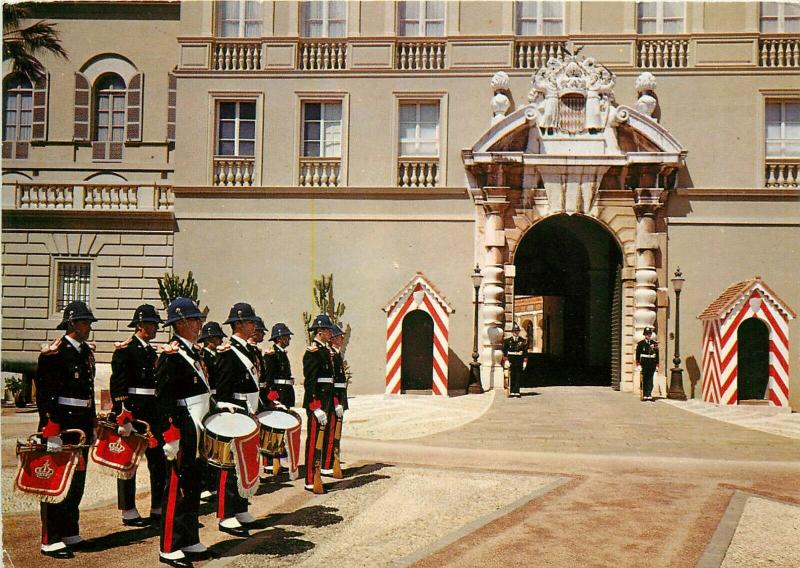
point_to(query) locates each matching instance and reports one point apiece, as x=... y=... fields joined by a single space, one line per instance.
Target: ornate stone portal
x=571 y=151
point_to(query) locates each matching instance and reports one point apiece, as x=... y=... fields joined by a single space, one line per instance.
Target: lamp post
x=475 y=386
x=676 y=373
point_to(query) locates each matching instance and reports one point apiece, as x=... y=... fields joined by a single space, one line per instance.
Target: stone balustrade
x=779 y=52
x=418 y=172
x=532 y=54
x=420 y=55
x=322 y=55
x=107 y=197
x=320 y=172
x=234 y=171
x=236 y=56
x=782 y=173
x=666 y=53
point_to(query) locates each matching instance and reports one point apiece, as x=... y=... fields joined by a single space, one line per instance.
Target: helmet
x=260 y=326
x=76 y=311
x=337 y=331
x=145 y=314
x=648 y=330
x=211 y=329
x=322 y=321
x=181 y=309
x=515 y=326
x=279 y=330
x=241 y=311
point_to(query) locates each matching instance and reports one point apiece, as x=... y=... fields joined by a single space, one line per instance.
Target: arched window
x=17 y=109
x=109 y=109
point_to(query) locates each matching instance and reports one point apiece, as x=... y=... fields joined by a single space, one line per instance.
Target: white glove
x=229 y=406
x=171 y=449
x=507 y=364
x=321 y=417
x=54 y=444
x=279 y=405
x=125 y=430
x=339 y=410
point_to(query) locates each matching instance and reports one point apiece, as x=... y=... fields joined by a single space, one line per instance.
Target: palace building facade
x=577 y=153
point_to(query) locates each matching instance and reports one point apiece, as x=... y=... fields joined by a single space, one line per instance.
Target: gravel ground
x=768 y=534
x=394 y=510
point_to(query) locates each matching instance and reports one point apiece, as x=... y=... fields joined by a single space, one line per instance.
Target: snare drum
x=219 y=429
x=274 y=424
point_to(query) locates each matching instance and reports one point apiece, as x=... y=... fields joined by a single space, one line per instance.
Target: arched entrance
x=753 y=359
x=416 y=373
x=572 y=264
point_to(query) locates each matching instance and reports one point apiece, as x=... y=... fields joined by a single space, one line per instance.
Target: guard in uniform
x=133 y=392
x=182 y=397
x=318 y=382
x=65 y=395
x=339 y=399
x=238 y=372
x=647 y=361
x=277 y=369
x=515 y=357
x=211 y=336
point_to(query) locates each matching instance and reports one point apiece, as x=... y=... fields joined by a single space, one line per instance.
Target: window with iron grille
x=322 y=130
x=74 y=283
x=780 y=17
x=783 y=129
x=420 y=18
x=236 y=128
x=660 y=17
x=239 y=18
x=324 y=18
x=539 y=17
x=419 y=129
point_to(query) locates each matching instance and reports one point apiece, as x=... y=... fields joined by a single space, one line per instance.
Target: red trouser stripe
x=312 y=445
x=331 y=435
x=170 y=518
x=223 y=478
x=45 y=539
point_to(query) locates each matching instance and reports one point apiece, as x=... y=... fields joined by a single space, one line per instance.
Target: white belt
x=192 y=400
x=213 y=391
x=241 y=395
x=647 y=356
x=515 y=352
x=283 y=381
x=66 y=401
x=147 y=392
x=340 y=385
x=325 y=380
x=250 y=399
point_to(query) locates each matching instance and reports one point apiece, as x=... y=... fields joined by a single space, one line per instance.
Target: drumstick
x=337 y=464
x=318 y=488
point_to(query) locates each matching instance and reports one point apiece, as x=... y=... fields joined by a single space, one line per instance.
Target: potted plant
x=14 y=385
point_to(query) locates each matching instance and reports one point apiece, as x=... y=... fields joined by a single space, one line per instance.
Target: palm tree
x=22 y=44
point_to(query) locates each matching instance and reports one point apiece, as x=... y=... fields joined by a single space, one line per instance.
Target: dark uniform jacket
x=209 y=357
x=339 y=378
x=516 y=349
x=647 y=353
x=133 y=367
x=278 y=376
x=318 y=376
x=66 y=372
x=233 y=379
x=177 y=379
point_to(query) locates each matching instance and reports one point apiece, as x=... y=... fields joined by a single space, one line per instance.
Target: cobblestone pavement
x=570 y=476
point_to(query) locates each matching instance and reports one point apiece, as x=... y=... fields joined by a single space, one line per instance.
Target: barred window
x=419 y=129
x=539 y=17
x=783 y=129
x=74 y=283
x=236 y=129
x=657 y=17
x=780 y=17
x=322 y=130
x=324 y=18
x=17 y=109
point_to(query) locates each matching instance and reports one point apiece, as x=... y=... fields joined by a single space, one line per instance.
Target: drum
x=219 y=430
x=274 y=424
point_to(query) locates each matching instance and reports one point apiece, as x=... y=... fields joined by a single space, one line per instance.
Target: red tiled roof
x=732 y=293
x=401 y=292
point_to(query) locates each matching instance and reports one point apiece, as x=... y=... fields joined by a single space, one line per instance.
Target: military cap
x=322 y=321
x=211 y=329
x=337 y=331
x=260 y=326
x=279 y=330
x=648 y=330
x=241 y=311
x=515 y=326
x=181 y=309
x=145 y=314
x=76 y=311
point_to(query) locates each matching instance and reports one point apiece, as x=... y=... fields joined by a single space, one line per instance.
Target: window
x=420 y=18
x=324 y=18
x=538 y=17
x=783 y=129
x=239 y=18
x=322 y=130
x=17 y=109
x=74 y=283
x=109 y=109
x=660 y=17
x=419 y=129
x=780 y=17
x=236 y=128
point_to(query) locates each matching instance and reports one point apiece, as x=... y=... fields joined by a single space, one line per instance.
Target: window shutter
x=8 y=146
x=172 y=99
x=81 y=132
x=21 y=150
x=115 y=151
x=99 y=150
x=134 y=104
x=40 y=88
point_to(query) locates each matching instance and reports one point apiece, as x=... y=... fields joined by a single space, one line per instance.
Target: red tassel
x=124 y=417
x=335 y=401
x=315 y=405
x=152 y=442
x=172 y=434
x=51 y=429
x=273 y=395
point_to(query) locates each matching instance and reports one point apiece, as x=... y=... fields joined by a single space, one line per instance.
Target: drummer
x=279 y=389
x=211 y=336
x=339 y=401
x=133 y=392
x=238 y=369
x=182 y=396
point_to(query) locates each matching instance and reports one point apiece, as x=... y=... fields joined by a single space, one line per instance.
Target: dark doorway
x=572 y=263
x=753 y=359
x=416 y=371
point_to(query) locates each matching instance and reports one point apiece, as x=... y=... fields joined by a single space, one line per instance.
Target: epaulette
x=51 y=349
x=269 y=352
x=223 y=348
x=123 y=344
x=169 y=348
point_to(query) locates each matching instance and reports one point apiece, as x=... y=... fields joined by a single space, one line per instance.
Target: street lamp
x=676 y=373
x=475 y=386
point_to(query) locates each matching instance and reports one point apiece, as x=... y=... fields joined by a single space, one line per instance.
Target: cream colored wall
x=481 y=18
